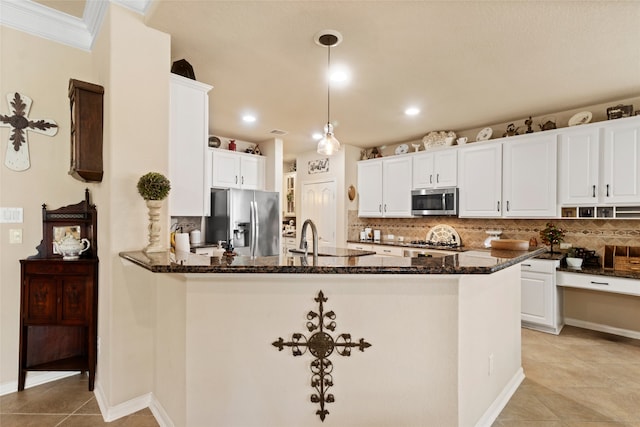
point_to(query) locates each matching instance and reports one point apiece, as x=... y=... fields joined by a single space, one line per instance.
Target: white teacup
x=462 y=140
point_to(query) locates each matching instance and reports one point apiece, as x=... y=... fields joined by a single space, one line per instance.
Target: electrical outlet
x=565 y=245
x=15 y=235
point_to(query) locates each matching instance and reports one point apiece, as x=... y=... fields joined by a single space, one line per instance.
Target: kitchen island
x=403 y=341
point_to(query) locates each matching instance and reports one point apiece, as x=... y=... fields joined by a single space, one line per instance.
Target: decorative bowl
x=574 y=262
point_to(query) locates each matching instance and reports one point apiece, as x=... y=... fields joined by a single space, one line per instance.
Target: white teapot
x=70 y=247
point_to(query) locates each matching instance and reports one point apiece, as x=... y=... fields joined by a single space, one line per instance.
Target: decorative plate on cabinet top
x=438 y=139
x=580 y=118
x=402 y=149
x=484 y=134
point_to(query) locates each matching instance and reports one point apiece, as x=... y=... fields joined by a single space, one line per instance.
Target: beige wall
x=41 y=70
x=132 y=62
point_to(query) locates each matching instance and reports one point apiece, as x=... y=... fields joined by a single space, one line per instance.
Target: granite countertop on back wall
x=471 y=262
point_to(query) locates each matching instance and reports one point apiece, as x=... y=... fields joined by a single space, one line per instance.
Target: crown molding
x=41 y=21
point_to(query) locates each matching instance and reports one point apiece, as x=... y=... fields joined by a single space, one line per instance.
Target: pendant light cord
x=328 y=87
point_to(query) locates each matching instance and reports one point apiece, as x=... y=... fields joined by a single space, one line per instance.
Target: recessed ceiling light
x=248 y=118
x=412 y=111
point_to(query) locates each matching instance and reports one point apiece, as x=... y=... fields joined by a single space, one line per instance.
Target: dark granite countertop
x=471 y=262
x=330 y=251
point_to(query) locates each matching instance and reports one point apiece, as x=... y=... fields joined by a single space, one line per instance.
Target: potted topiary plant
x=154 y=188
x=552 y=235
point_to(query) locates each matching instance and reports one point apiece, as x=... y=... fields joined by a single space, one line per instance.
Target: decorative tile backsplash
x=592 y=234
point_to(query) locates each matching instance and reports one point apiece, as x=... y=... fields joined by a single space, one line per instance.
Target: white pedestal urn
x=154 y=245
x=154 y=188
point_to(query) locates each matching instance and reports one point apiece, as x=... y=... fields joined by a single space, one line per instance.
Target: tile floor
x=580 y=378
x=65 y=403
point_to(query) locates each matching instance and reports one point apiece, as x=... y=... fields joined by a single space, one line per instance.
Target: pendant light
x=328 y=145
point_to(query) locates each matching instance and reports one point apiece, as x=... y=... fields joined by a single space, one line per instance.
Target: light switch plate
x=15 y=235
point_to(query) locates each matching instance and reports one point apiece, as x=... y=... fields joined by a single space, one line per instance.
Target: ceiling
x=465 y=64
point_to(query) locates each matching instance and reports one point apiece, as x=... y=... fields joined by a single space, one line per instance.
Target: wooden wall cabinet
x=59 y=298
x=86 y=101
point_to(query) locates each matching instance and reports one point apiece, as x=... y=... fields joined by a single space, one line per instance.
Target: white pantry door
x=319 y=205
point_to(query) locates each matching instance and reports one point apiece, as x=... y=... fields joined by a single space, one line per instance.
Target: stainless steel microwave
x=434 y=201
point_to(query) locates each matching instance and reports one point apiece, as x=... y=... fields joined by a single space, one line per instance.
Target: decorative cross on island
x=321 y=345
x=17 y=157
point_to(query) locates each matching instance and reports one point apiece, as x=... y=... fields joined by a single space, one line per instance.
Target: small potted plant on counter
x=552 y=235
x=154 y=188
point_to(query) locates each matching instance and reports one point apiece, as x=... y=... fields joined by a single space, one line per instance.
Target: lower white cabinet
x=541 y=300
x=288 y=243
x=380 y=250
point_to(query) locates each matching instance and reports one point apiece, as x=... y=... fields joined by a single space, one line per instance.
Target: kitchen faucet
x=303 y=240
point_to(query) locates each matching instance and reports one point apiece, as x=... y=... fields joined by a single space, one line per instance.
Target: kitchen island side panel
x=236 y=377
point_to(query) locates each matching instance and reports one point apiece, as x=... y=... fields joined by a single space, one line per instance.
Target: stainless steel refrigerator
x=250 y=219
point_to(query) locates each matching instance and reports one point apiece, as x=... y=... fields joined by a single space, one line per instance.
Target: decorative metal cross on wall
x=321 y=346
x=17 y=157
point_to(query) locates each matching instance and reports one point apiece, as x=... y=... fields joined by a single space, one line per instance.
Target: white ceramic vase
x=154 y=226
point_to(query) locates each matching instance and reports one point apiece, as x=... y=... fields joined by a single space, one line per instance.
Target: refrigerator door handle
x=254 y=228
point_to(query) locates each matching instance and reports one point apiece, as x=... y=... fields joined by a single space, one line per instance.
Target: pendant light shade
x=329 y=144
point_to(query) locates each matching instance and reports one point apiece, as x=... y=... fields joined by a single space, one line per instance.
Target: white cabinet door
x=189 y=127
x=236 y=170
x=423 y=171
x=621 y=173
x=529 y=177
x=225 y=169
x=480 y=178
x=251 y=172
x=396 y=187
x=370 y=188
x=537 y=304
x=446 y=168
x=579 y=166
x=435 y=170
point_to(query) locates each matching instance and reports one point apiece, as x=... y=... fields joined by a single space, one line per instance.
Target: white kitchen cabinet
x=621 y=168
x=617 y=285
x=578 y=164
x=288 y=243
x=231 y=169
x=480 y=180
x=541 y=300
x=289 y=194
x=435 y=170
x=599 y=164
x=385 y=187
x=509 y=178
x=189 y=128
x=529 y=167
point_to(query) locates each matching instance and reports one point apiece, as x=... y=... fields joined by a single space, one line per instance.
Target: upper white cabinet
x=189 y=128
x=621 y=176
x=385 y=187
x=579 y=164
x=529 y=181
x=512 y=178
x=598 y=164
x=480 y=180
x=231 y=169
x=435 y=169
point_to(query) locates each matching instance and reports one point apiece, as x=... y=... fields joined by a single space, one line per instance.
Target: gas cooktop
x=431 y=244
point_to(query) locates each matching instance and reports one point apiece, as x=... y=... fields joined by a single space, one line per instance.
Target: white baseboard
x=492 y=412
x=35 y=378
x=112 y=413
x=602 y=328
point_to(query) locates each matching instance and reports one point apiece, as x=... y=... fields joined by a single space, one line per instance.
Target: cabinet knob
x=498 y=205
x=431 y=179
x=607 y=190
x=599 y=283
x=242 y=181
x=236 y=179
x=507 y=206
x=438 y=177
x=594 y=191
